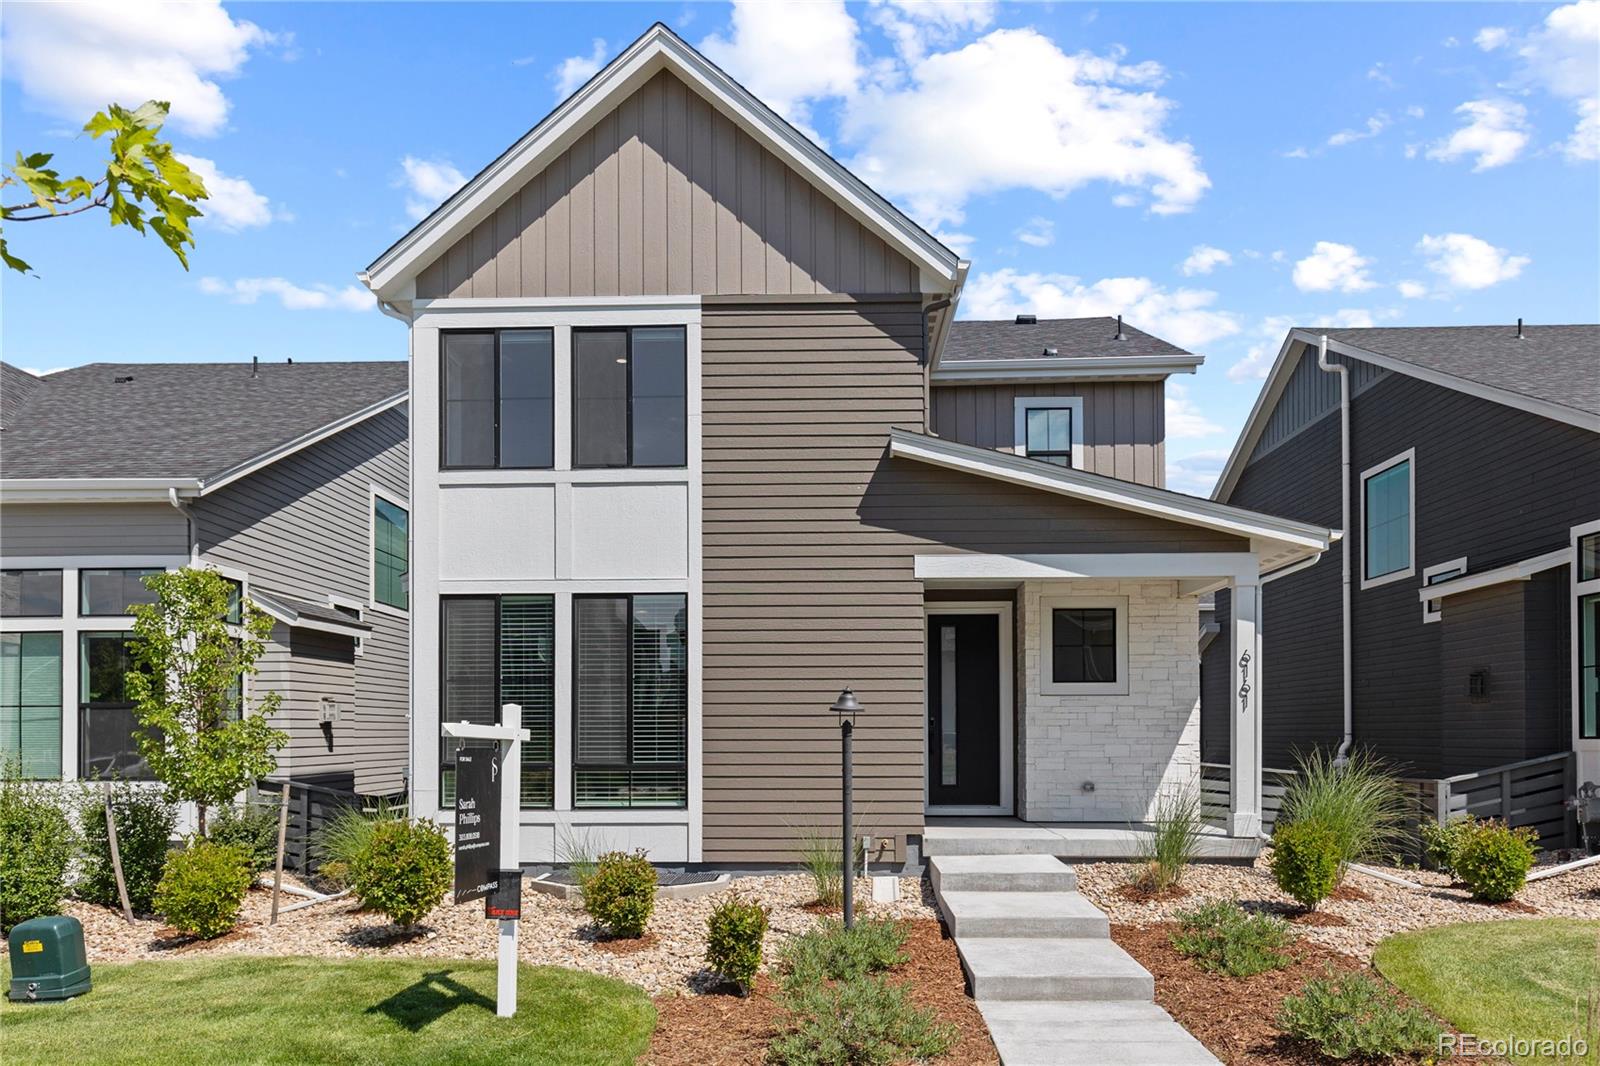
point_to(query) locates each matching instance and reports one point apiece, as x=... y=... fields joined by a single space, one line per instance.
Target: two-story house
x=289 y=479
x=698 y=443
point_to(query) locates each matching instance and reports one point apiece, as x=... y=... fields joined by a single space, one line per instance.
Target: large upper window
x=630 y=701
x=112 y=592
x=500 y=650
x=629 y=397
x=389 y=553
x=30 y=702
x=30 y=594
x=1050 y=429
x=498 y=393
x=1087 y=653
x=1387 y=521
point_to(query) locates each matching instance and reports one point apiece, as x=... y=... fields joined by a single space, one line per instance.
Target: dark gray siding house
x=1474 y=472
x=288 y=478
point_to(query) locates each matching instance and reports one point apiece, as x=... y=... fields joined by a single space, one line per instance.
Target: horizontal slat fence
x=311 y=808
x=1215 y=804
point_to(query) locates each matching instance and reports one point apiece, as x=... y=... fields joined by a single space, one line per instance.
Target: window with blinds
x=499 y=650
x=631 y=701
x=30 y=703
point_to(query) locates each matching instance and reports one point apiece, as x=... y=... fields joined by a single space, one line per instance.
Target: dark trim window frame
x=30 y=702
x=677 y=421
x=1388 y=495
x=1079 y=627
x=497 y=401
x=109 y=749
x=140 y=594
x=30 y=593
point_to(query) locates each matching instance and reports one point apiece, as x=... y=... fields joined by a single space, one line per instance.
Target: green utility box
x=47 y=959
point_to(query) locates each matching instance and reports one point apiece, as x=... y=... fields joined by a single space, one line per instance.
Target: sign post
x=488 y=776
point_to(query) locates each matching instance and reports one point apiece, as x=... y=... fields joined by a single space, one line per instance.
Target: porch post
x=1244 y=730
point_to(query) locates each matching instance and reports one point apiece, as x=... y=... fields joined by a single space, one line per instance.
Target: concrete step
x=1001 y=873
x=978 y=840
x=1052 y=968
x=1022 y=914
x=1118 y=1033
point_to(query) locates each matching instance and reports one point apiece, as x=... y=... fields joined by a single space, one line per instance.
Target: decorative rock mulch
x=1388 y=908
x=554 y=932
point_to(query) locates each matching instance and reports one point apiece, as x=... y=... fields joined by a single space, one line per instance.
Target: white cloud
x=1380 y=75
x=1415 y=111
x=917 y=25
x=959 y=243
x=1195 y=473
x=75 y=58
x=1185 y=317
x=1496 y=131
x=233 y=203
x=1039 y=232
x=573 y=71
x=427 y=183
x=1270 y=331
x=1184 y=419
x=1468 y=262
x=1332 y=266
x=1374 y=126
x=1491 y=37
x=790 y=54
x=1563 y=57
x=1297 y=153
x=1584 y=144
x=1412 y=290
x=293 y=297
x=1204 y=259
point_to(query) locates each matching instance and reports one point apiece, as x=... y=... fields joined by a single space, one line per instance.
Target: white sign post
x=509 y=739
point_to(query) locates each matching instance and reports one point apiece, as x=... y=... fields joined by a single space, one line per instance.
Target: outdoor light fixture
x=847 y=707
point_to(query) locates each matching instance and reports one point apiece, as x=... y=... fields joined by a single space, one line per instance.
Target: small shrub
x=145 y=821
x=36 y=844
x=863 y=1020
x=253 y=828
x=202 y=888
x=1494 y=860
x=621 y=893
x=831 y=952
x=1222 y=936
x=1305 y=861
x=1441 y=844
x=1170 y=847
x=1357 y=1016
x=339 y=845
x=733 y=940
x=1361 y=802
x=820 y=855
x=404 y=871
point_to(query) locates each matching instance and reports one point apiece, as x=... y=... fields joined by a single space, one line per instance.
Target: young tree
x=142 y=169
x=198 y=733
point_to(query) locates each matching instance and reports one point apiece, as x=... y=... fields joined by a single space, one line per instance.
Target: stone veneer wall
x=1132 y=747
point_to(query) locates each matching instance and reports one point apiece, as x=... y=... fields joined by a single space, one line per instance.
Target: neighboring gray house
x=698 y=443
x=1473 y=509
x=288 y=478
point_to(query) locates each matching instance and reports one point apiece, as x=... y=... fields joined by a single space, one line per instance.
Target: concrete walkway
x=1052 y=986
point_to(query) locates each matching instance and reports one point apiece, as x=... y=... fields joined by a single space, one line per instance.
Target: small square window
x=1478 y=685
x=1085 y=646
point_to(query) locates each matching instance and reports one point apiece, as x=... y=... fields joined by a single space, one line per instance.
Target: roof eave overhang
x=659 y=48
x=286 y=614
x=96 y=489
x=1518 y=571
x=1124 y=368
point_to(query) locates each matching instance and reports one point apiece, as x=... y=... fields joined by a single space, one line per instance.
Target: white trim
x=1518 y=571
x=94 y=562
x=1108 y=565
x=350 y=603
x=376 y=492
x=1587 y=748
x=1409 y=457
x=285 y=613
x=300 y=443
x=1008 y=745
x=1099 y=367
x=1050 y=687
x=96 y=489
x=558 y=312
x=1023 y=404
x=1455 y=567
x=659 y=48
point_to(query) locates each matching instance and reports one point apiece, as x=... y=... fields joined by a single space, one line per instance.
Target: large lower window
x=629 y=397
x=113 y=592
x=30 y=593
x=1086 y=650
x=1387 y=521
x=499 y=650
x=630 y=701
x=106 y=724
x=30 y=702
x=498 y=399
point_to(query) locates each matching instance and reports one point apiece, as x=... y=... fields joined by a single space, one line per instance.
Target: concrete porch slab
x=1066 y=840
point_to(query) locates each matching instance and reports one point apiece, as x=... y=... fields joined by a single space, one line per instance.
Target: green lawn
x=301 y=1010
x=1526 y=979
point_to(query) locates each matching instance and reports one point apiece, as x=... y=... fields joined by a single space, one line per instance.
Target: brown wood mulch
x=625 y=945
x=1318 y=918
x=721 y=1029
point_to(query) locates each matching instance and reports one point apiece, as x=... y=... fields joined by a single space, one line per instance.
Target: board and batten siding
x=92 y=529
x=664 y=195
x=302 y=527
x=1124 y=432
x=809 y=533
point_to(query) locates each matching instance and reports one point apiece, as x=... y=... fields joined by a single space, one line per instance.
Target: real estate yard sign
x=477 y=820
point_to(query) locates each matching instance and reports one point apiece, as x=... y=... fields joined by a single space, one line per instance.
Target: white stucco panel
x=498 y=532
x=630 y=531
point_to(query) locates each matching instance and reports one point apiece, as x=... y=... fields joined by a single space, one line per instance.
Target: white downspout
x=1344 y=526
x=194 y=529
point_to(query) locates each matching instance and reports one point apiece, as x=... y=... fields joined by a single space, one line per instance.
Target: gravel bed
x=1391 y=908
x=554 y=932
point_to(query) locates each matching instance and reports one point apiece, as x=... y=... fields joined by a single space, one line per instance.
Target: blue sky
x=1215 y=172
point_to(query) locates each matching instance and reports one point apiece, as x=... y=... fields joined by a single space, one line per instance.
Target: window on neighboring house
x=30 y=702
x=113 y=592
x=106 y=722
x=1388 y=521
x=630 y=701
x=499 y=650
x=498 y=394
x=1589 y=666
x=389 y=554
x=1088 y=645
x=1050 y=429
x=630 y=397
x=30 y=594
x=1433 y=610
x=1589 y=557
x=235 y=615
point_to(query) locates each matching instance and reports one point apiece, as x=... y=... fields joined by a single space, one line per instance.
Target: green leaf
x=12 y=261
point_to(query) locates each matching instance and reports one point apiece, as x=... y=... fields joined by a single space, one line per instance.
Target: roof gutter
x=978 y=371
x=97 y=489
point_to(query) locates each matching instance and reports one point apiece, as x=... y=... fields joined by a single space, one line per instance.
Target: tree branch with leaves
x=145 y=184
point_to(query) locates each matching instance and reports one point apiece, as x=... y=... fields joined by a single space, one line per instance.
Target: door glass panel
x=947 y=705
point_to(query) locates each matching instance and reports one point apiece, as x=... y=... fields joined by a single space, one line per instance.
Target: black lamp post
x=847 y=707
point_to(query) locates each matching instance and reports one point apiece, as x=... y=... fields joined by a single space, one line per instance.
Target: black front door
x=964 y=710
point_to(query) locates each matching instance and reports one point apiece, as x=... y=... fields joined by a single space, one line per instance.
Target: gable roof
x=1056 y=347
x=1551 y=371
x=16 y=386
x=658 y=48
x=199 y=423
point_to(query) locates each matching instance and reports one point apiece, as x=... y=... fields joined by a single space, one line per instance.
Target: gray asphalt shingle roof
x=1072 y=338
x=179 y=420
x=1556 y=364
x=16 y=385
